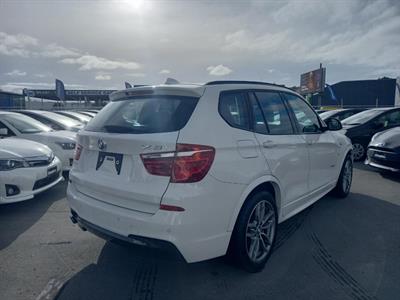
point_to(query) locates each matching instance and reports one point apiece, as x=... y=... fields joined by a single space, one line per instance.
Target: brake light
x=77 y=153
x=189 y=163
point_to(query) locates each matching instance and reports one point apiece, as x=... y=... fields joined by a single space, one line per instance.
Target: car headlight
x=67 y=146
x=11 y=164
x=374 y=136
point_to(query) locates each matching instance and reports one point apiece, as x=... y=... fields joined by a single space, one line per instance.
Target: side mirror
x=3 y=132
x=333 y=124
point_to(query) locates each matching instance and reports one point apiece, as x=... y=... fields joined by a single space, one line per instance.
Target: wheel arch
x=267 y=183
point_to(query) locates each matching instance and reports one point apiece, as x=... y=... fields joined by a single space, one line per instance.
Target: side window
x=5 y=131
x=275 y=113
x=258 y=118
x=394 y=118
x=390 y=119
x=306 y=118
x=233 y=108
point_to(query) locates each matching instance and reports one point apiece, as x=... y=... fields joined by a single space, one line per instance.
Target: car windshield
x=64 y=120
x=144 y=115
x=81 y=117
x=25 y=124
x=362 y=117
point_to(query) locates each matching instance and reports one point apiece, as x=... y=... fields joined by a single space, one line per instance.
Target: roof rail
x=242 y=82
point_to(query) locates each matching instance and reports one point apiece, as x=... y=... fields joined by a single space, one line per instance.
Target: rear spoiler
x=159 y=90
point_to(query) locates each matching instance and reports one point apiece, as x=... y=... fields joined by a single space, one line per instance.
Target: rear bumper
x=198 y=233
x=109 y=235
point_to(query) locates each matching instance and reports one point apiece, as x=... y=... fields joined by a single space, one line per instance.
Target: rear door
x=284 y=150
x=110 y=168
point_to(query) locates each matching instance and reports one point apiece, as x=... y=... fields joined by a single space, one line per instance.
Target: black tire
x=359 y=151
x=65 y=174
x=246 y=224
x=343 y=184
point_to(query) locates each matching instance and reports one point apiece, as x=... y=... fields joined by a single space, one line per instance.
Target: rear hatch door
x=110 y=168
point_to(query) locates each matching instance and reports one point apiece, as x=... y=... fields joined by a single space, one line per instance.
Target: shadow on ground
x=16 y=218
x=337 y=249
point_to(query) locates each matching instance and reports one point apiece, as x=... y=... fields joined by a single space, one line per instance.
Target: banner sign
x=60 y=90
x=313 y=81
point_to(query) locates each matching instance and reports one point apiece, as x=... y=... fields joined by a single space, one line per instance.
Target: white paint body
x=51 y=139
x=25 y=178
x=301 y=168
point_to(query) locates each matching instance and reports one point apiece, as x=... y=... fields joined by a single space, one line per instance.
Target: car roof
x=384 y=108
x=6 y=112
x=190 y=89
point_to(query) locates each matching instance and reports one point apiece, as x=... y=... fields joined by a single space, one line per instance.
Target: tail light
x=77 y=153
x=189 y=163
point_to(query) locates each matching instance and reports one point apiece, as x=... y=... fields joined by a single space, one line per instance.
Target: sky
x=102 y=44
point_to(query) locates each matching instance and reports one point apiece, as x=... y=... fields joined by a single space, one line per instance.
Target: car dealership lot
x=337 y=249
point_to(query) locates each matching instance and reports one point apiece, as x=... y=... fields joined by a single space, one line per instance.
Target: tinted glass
x=390 y=119
x=275 y=113
x=144 y=115
x=305 y=116
x=233 y=108
x=25 y=124
x=258 y=118
x=328 y=114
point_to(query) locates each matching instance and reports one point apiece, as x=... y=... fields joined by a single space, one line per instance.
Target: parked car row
x=364 y=127
x=36 y=150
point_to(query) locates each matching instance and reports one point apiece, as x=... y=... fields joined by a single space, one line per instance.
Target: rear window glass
x=144 y=115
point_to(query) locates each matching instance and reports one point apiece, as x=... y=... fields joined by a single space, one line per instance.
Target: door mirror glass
x=333 y=124
x=3 y=132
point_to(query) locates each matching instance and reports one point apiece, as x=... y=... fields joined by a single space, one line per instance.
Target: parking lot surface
x=336 y=249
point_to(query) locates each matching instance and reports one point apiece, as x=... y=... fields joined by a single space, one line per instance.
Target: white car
x=207 y=169
x=53 y=120
x=15 y=125
x=26 y=169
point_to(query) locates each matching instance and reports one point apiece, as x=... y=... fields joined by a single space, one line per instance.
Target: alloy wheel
x=358 y=151
x=260 y=231
x=347 y=176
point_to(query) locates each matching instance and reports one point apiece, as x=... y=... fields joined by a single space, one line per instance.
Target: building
x=96 y=97
x=9 y=100
x=360 y=93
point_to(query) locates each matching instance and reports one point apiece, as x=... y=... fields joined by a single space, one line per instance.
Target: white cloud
x=103 y=77
x=340 y=32
x=40 y=75
x=164 y=71
x=54 y=50
x=16 y=73
x=136 y=74
x=92 y=62
x=16 y=45
x=219 y=70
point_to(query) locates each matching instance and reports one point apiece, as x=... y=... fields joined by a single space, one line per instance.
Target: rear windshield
x=144 y=115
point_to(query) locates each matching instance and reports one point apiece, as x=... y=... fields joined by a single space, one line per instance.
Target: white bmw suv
x=207 y=169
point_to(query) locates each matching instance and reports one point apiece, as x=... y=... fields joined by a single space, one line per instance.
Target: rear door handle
x=268 y=144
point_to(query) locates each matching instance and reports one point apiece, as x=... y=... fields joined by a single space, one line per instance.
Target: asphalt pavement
x=336 y=249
